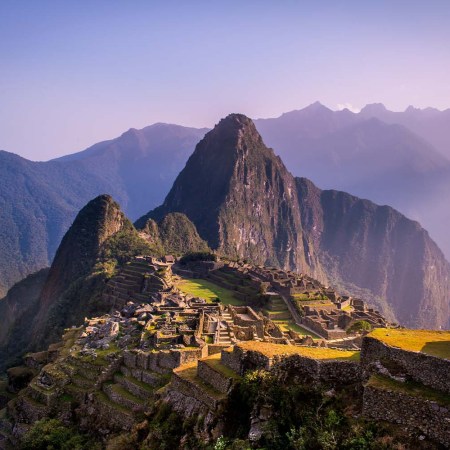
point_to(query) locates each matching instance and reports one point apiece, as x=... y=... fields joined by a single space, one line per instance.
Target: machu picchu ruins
x=158 y=343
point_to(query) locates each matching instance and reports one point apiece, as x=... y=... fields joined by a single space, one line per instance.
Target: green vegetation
x=410 y=388
x=179 y=235
x=305 y=418
x=435 y=343
x=359 y=326
x=207 y=290
x=197 y=256
x=123 y=246
x=52 y=434
x=291 y=325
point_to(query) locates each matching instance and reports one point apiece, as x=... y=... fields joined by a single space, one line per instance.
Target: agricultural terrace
x=435 y=343
x=409 y=388
x=207 y=290
x=271 y=350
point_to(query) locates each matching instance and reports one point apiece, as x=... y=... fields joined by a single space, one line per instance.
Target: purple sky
x=73 y=73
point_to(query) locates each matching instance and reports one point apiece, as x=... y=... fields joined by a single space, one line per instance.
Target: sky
x=73 y=73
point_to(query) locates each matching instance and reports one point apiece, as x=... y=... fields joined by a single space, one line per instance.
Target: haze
x=73 y=73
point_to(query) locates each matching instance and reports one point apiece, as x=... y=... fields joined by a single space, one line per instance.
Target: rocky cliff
x=361 y=244
x=245 y=204
x=241 y=198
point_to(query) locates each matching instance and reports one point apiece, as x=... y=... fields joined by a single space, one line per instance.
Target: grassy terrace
x=189 y=372
x=215 y=364
x=207 y=290
x=271 y=350
x=410 y=388
x=290 y=324
x=435 y=343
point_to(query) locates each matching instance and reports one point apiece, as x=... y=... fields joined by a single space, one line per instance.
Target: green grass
x=434 y=343
x=410 y=388
x=291 y=325
x=207 y=290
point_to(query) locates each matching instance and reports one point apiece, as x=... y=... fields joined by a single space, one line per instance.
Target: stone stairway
x=225 y=336
x=127 y=394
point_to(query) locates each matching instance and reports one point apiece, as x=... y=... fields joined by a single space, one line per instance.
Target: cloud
x=349 y=106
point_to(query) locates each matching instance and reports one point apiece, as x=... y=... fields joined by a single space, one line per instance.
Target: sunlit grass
x=435 y=343
x=207 y=290
x=322 y=353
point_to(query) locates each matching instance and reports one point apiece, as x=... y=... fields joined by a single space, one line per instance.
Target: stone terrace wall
x=162 y=361
x=429 y=370
x=217 y=380
x=319 y=371
x=413 y=412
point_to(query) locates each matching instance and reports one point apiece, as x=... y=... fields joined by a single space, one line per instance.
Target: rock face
x=378 y=249
x=245 y=204
x=241 y=198
x=392 y=158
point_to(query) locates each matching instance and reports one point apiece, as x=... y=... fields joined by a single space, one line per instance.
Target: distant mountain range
x=39 y=200
x=360 y=153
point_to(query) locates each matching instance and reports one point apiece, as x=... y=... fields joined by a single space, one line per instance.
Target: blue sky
x=73 y=73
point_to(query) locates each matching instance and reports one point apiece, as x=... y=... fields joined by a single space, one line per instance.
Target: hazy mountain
x=430 y=123
x=386 y=163
x=141 y=163
x=39 y=200
x=245 y=203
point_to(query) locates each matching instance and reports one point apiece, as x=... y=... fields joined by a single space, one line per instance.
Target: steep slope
x=244 y=203
x=357 y=153
x=39 y=200
x=17 y=309
x=240 y=197
x=175 y=234
x=377 y=249
x=100 y=237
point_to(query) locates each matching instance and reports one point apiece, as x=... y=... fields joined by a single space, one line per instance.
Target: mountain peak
x=374 y=108
x=316 y=107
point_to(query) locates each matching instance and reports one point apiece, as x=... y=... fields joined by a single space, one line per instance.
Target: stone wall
x=414 y=412
x=217 y=380
x=319 y=371
x=163 y=361
x=428 y=370
x=232 y=359
x=193 y=391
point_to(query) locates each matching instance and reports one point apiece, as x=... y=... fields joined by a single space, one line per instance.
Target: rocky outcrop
x=241 y=198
